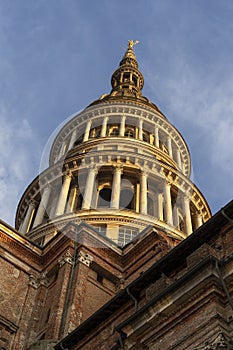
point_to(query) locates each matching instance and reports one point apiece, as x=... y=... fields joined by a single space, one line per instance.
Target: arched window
x=129 y=132
x=78 y=141
x=163 y=147
x=104 y=198
x=134 y=79
x=127 y=199
x=95 y=132
x=113 y=131
x=79 y=202
x=145 y=137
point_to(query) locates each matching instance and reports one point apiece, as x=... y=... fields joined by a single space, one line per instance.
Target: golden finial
x=131 y=43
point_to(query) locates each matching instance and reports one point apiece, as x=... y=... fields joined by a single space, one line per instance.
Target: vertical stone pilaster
x=160 y=206
x=187 y=215
x=72 y=199
x=89 y=187
x=156 y=136
x=175 y=216
x=168 y=204
x=104 y=127
x=143 y=193
x=26 y=324
x=72 y=139
x=169 y=146
x=87 y=131
x=42 y=206
x=78 y=307
x=65 y=263
x=198 y=220
x=62 y=150
x=178 y=156
x=28 y=217
x=122 y=126
x=140 y=131
x=116 y=187
x=62 y=200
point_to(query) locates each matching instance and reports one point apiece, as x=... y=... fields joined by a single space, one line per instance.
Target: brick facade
x=183 y=301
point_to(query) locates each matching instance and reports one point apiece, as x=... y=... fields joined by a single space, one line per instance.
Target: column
x=122 y=126
x=87 y=131
x=63 y=195
x=72 y=139
x=54 y=200
x=116 y=187
x=104 y=127
x=137 y=197
x=169 y=145
x=168 y=204
x=89 y=187
x=140 y=134
x=156 y=136
x=160 y=206
x=62 y=151
x=178 y=156
x=175 y=216
x=143 y=193
x=197 y=220
x=42 y=206
x=28 y=217
x=72 y=199
x=187 y=215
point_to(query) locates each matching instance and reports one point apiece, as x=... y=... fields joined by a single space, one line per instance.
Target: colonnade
x=65 y=202
x=155 y=131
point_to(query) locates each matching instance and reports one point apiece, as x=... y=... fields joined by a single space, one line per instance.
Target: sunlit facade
x=120 y=166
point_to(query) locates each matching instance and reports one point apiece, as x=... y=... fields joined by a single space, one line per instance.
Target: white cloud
x=200 y=102
x=17 y=147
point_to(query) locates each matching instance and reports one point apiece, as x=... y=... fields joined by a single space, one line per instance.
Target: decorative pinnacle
x=127 y=80
x=132 y=43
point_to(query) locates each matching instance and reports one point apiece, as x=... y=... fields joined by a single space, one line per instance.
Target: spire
x=129 y=57
x=127 y=80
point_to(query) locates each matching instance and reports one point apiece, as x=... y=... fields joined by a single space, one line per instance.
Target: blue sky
x=57 y=56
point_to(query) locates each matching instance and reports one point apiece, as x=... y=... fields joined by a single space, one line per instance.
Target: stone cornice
x=19 y=248
x=10 y=326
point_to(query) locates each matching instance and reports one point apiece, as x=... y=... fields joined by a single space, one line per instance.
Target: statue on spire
x=132 y=43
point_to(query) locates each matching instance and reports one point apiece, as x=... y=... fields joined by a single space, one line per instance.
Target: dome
x=119 y=166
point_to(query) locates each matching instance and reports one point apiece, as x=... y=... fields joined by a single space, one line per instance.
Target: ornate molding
x=85 y=258
x=33 y=281
x=37 y=281
x=66 y=258
x=43 y=279
x=218 y=343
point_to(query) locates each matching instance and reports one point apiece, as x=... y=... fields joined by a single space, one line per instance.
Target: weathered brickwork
x=49 y=292
x=177 y=297
x=183 y=301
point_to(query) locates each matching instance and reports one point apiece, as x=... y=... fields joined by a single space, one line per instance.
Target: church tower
x=115 y=200
x=120 y=166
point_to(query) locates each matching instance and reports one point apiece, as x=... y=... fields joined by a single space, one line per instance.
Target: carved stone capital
x=43 y=279
x=33 y=281
x=121 y=284
x=67 y=175
x=33 y=203
x=66 y=258
x=85 y=258
x=218 y=343
x=37 y=281
x=118 y=167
